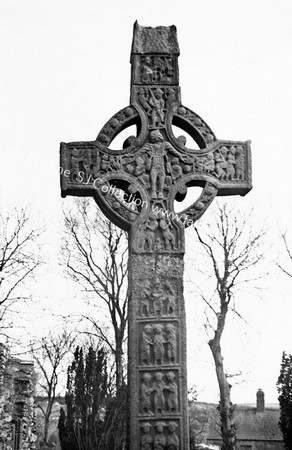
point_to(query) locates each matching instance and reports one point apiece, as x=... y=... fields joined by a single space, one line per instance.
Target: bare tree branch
x=94 y=255
x=232 y=248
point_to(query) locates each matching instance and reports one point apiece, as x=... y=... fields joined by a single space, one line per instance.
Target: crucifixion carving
x=136 y=188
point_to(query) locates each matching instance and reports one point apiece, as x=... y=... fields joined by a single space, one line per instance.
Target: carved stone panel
x=160 y=435
x=158 y=343
x=159 y=392
x=158 y=298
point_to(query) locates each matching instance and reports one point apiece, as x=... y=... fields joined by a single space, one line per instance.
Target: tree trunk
x=119 y=364
x=225 y=408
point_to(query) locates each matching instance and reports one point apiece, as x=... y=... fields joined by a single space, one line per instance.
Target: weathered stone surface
x=136 y=188
x=16 y=403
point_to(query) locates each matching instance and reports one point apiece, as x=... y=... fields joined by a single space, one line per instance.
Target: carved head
x=158 y=93
x=158 y=376
x=146 y=377
x=158 y=329
x=160 y=426
x=169 y=328
x=182 y=139
x=139 y=161
x=155 y=136
x=148 y=329
x=146 y=427
x=170 y=376
x=172 y=427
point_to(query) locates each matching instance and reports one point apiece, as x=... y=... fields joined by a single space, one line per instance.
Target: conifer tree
x=81 y=427
x=284 y=386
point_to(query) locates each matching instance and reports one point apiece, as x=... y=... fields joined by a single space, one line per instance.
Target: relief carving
x=172 y=440
x=159 y=435
x=146 y=438
x=158 y=299
x=225 y=163
x=158 y=233
x=157 y=69
x=155 y=101
x=158 y=107
x=159 y=394
x=85 y=163
x=160 y=438
x=158 y=344
x=158 y=163
x=158 y=387
x=119 y=120
x=199 y=124
x=146 y=344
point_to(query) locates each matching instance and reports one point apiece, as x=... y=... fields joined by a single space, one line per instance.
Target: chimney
x=260 y=401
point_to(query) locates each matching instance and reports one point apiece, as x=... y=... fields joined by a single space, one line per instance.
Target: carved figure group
x=84 y=161
x=158 y=233
x=165 y=436
x=158 y=393
x=158 y=344
x=158 y=300
x=157 y=69
x=110 y=163
x=225 y=163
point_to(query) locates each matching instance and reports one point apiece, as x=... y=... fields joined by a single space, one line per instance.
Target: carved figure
x=157 y=150
x=176 y=170
x=76 y=157
x=158 y=68
x=160 y=438
x=142 y=97
x=158 y=342
x=171 y=343
x=168 y=68
x=172 y=442
x=145 y=393
x=87 y=162
x=172 y=398
x=169 y=302
x=158 y=387
x=221 y=163
x=158 y=105
x=150 y=227
x=239 y=168
x=144 y=304
x=140 y=171
x=146 y=438
x=170 y=97
x=158 y=245
x=157 y=298
x=230 y=170
x=146 y=344
x=209 y=164
x=114 y=163
x=147 y=72
x=168 y=237
x=105 y=163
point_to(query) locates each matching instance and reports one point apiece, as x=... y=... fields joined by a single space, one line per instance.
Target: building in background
x=256 y=425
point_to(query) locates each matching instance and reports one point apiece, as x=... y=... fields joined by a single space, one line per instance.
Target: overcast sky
x=65 y=71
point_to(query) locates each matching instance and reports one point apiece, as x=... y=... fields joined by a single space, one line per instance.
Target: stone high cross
x=136 y=187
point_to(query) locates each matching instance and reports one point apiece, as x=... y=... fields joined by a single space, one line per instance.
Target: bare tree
x=233 y=247
x=288 y=251
x=94 y=253
x=49 y=354
x=19 y=257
